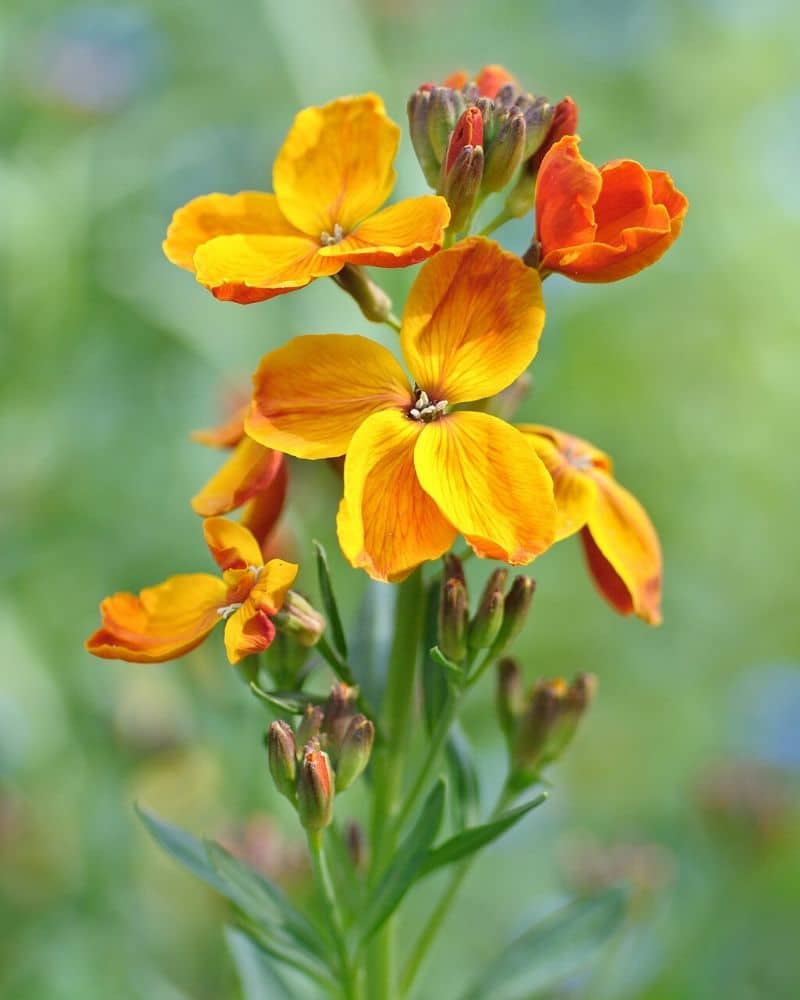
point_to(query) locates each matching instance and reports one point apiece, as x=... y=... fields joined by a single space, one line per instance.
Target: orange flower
x=168 y=620
x=253 y=476
x=602 y=225
x=416 y=473
x=489 y=81
x=621 y=545
x=331 y=176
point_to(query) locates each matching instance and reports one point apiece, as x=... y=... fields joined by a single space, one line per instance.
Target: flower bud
x=281 y=750
x=517 y=605
x=468 y=132
x=488 y=618
x=564 y=122
x=453 y=619
x=418 y=110
x=355 y=751
x=505 y=153
x=555 y=122
x=339 y=711
x=315 y=788
x=453 y=568
x=442 y=116
x=299 y=619
x=310 y=725
x=539 y=117
x=510 y=701
x=549 y=722
x=461 y=186
x=374 y=303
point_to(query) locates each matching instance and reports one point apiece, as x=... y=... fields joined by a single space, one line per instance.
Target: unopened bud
x=461 y=186
x=373 y=302
x=488 y=618
x=505 y=153
x=339 y=711
x=537 y=724
x=281 y=750
x=510 y=701
x=356 y=844
x=315 y=789
x=493 y=79
x=517 y=605
x=468 y=132
x=442 y=117
x=355 y=751
x=299 y=619
x=418 y=110
x=453 y=568
x=539 y=116
x=547 y=124
x=453 y=619
x=564 y=122
x=310 y=725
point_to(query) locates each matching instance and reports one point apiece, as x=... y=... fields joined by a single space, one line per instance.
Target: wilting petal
x=472 y=321
x=251 y=469
x=262 y=513
x=335 y=167
x=574 y=489
x=248 y=631
x=254 y=268
x=310 y=395
x=488 y=481
x=403 y=234
x=162 y=623
x=226 y=435
x=623 y=551
x=210 y=215
x=231 y=545
x=387 y=524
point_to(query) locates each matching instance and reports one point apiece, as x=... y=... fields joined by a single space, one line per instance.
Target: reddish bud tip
x=468 y=132
x=565 y=122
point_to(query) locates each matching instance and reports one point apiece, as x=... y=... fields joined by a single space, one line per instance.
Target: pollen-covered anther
x=426 y=409
x=328 y=240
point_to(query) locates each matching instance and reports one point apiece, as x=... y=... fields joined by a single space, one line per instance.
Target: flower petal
x=272 y=585
x=461 y=339
x=623 y=551
x=310 y=395
x=251 y=469
x=248 y=631
x=162 y=623
x=210 y=215
x=387 y=524
x=226 y=435
x=403 y=234
x=248 y=269
x=335 y=167
x=261 y=514
x=488 y=481
x=566 y=191
x=231 y=545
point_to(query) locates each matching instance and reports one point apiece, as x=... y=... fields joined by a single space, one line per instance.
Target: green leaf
x=434 y=680
x=329 y=601
x=464 y=783
x=286 y=953
x=182 y=846
x=554 y=948
x=438 y=657
x=293 y=702
x=258 y=976
x=476 y=837
x=408 y=859
x=372 y=639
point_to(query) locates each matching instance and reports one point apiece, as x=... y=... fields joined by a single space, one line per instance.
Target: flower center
x=576 y=459
x=426 y=409
x=327 y=240
x=240 y=590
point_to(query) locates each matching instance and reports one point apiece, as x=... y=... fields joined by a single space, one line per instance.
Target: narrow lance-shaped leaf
x=329 y=601
x=434 y=680
x=293 y=702
x=257 y=971
x=464 y=784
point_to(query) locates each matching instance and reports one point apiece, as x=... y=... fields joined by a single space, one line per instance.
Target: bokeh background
x=683 y=777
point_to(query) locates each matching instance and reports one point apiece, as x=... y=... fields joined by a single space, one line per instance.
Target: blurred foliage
x=111 y=116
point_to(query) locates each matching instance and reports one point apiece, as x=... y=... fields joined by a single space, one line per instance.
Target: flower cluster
x=424 y=455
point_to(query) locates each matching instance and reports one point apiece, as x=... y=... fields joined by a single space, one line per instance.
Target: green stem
x=325 y=882
x=499 y=220
x=393 y=321
x=442 y=908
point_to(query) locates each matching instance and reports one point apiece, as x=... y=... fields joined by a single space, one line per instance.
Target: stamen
x=255 y=570
x=227 y=610
x=327 y=240
x=424 y=409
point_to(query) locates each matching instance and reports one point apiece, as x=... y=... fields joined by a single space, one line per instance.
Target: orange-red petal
x=261 y=514
x=387 y=524
x=311 y=395
x=487 y=480
x=250 y=630
x=472 y=321
x=336 y=165
x=231 y=545
x=251 y=469
x=162 y=623
x=402 y=234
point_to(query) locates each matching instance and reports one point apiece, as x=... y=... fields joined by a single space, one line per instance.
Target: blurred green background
x=683 y=776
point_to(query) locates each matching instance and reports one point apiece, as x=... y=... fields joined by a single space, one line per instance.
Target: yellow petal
x=248 y=632
x=472 y=321
x=398 y=236
x=246 y=269
x=387 y=524
x=335 y=167
x=488 y=481
x=272 y=585
x=162 y=623
x=231 y=545
x=623 y=551
x=201 y=219
x=250 y=469
x=261 y=514
x=310 y=395
x=574 y=488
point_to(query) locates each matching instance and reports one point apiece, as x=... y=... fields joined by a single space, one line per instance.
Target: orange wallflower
x=416 y=473
x=489 y=81
x=332 y=174
x=168 y=620
x=620 y=543
x=602 y=225
x=254 y=477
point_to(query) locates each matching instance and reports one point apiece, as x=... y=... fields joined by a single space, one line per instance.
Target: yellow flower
x=332 y=174
x=621 y=545
x=168 y=620
x=417 y=472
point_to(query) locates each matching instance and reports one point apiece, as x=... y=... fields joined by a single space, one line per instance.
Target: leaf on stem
x=293 y=702
x=329 y=601
x=408 y=859
x=372 y=638
x=258 y=976
x=438 y=657
x=465 y=785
